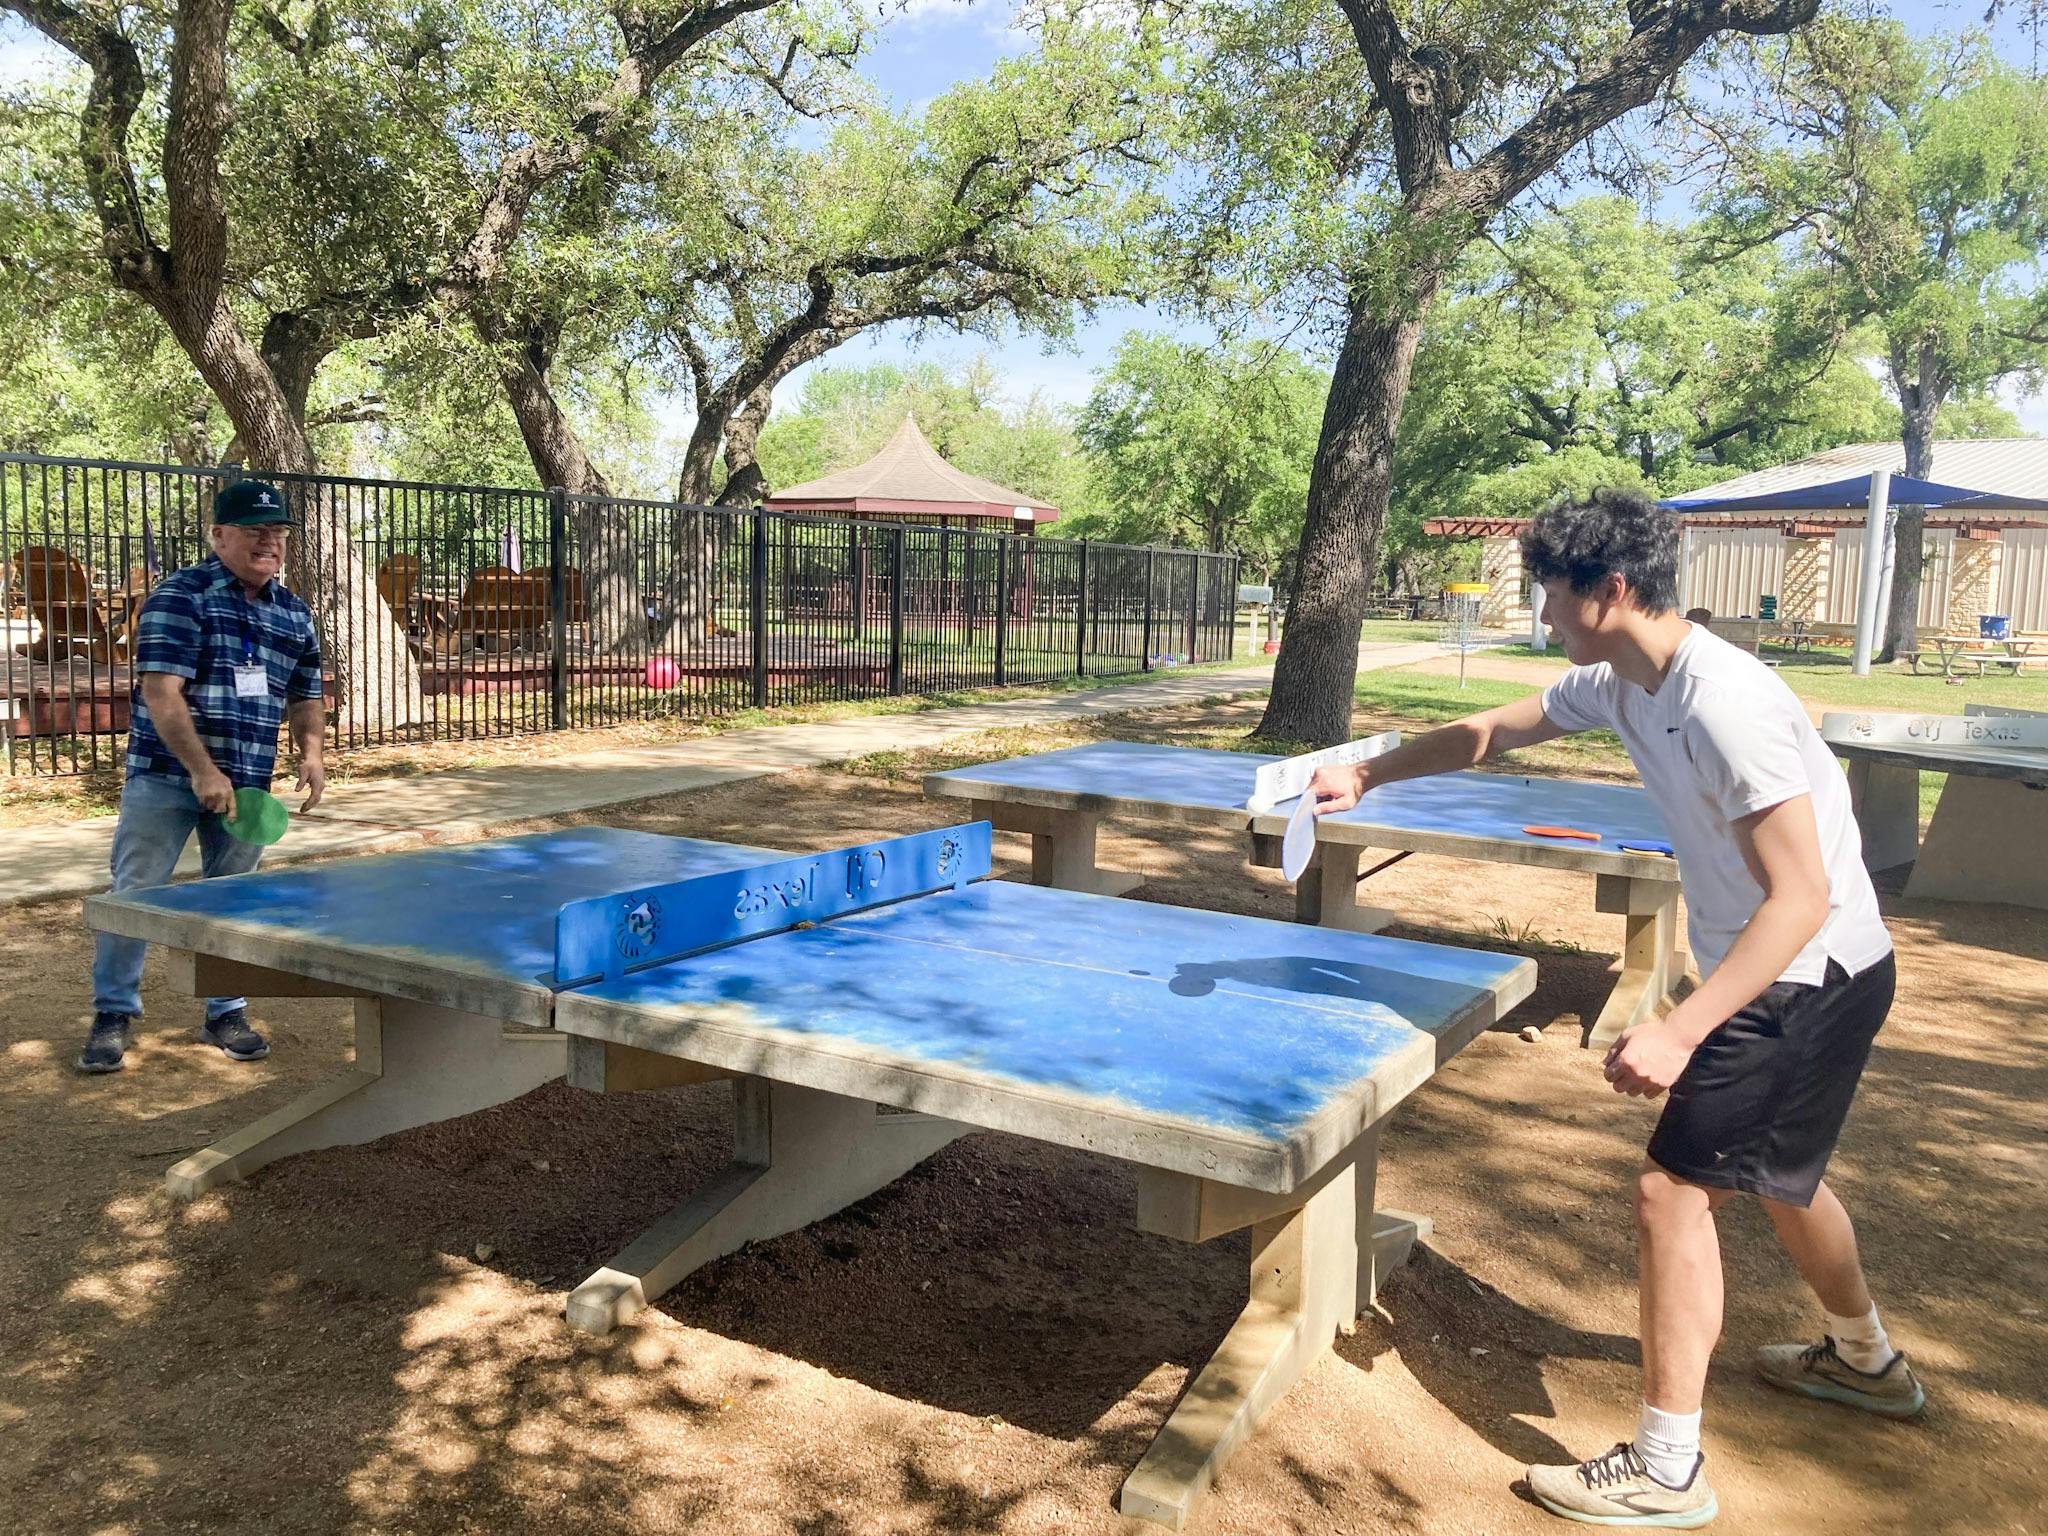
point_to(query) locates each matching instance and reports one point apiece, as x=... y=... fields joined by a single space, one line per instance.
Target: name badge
x=252 y=682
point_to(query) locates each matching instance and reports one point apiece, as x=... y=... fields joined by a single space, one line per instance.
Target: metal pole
x=1877 y=529
x=758 y=602
x=1150 y=552
x=1081 y=616
x=1002 y=608
x=896 y=609
x=1539 y=638
x=558 y=608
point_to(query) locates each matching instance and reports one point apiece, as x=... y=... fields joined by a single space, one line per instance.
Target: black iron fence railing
x=461 y=611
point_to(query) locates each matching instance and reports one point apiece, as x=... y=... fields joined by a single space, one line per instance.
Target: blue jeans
x=157 y=819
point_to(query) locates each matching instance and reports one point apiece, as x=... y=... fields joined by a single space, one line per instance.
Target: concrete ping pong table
x=1988 y=839
x=1061 y=798
x=1243 y=1067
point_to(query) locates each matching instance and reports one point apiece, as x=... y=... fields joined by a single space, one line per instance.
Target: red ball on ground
x=663 y=673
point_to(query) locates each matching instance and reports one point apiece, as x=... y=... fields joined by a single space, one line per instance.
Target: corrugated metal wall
x=1725 y=570
x=2023 y=578
x=1845 y=578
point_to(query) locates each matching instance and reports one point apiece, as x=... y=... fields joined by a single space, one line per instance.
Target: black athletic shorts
x=1762 y=1101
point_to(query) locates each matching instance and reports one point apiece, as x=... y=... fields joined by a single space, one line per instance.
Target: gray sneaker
x=1818 y=1371
x=1617 y=1489
x=106 y=1048
x=237 y=1041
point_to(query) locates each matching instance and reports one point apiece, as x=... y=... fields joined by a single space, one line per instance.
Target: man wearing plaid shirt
x=223 y=655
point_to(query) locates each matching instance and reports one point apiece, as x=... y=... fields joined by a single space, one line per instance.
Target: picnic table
x=1956 y=650
x=869 y=1005
x=1796 y=636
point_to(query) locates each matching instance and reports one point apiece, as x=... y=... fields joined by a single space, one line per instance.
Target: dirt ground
x=369 y=1339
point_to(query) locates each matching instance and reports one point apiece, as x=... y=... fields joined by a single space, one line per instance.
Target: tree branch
x=1665 y=36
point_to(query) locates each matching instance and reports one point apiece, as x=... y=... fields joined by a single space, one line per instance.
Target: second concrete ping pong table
x=1242 y=1067
x=1061 y=799
x=1988 y=839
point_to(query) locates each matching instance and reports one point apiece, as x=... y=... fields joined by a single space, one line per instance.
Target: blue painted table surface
x=408 y=923
x=1149 y=1032
x=1489 y=809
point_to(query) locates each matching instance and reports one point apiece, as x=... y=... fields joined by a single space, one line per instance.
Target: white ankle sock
x=1860 y=1341
x=1669 y=1444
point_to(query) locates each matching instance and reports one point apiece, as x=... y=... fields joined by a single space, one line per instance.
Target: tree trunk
x=1347 y=509
x=1909 y=535
x=601 y=542
x=745 y=484
x=377 y=678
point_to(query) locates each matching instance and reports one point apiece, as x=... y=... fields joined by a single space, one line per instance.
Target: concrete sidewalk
x=40 y=863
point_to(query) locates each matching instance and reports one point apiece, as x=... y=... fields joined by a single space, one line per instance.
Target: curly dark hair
x=1615 y=531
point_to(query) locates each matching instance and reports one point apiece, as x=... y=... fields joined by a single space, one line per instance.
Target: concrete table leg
x=1327 y=892
x=415 y=1064
x=1887 y=800
x=1311 y=1275
x=1650 y=964
x=1988 y=841
x=799 y=1155
x=1062 y=847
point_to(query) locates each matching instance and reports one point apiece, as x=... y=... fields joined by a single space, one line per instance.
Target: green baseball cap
x=249 y=504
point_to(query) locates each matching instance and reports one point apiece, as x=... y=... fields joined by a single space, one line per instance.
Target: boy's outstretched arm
x=1446 y=749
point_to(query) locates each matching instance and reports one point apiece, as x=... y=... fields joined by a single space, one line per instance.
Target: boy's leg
x=1822 y=1242
x=1854 y=1362
x=1656 y=1478
x=1679 y=1274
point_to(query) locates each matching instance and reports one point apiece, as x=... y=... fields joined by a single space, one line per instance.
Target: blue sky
x=934 y=43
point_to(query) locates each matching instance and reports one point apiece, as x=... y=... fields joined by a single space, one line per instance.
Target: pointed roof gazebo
x=908 y=479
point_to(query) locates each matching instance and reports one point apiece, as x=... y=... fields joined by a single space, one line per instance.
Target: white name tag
x=252 y=682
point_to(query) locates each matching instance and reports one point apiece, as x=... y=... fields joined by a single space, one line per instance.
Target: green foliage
x=1597 y=348
x=1206 y=446
x=1914 y=189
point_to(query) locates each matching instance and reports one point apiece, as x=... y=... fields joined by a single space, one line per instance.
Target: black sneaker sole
x=95 y=1069
x=234 y=1055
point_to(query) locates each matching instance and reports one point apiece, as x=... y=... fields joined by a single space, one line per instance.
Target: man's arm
x=309 y=736
x=1461 y=744
x=1781 y=846
x=164 y=694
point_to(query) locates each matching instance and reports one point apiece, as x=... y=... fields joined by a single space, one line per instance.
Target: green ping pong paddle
x=260 y=817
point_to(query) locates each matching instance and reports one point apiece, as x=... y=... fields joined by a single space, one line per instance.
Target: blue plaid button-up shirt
x=200 y=625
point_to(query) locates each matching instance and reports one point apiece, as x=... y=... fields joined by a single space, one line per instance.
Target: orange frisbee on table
x=1590 y=837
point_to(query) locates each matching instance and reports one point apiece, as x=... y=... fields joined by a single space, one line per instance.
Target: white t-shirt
x=1720 y=739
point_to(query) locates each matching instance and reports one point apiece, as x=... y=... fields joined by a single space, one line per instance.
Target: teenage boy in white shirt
x=1761 y=1062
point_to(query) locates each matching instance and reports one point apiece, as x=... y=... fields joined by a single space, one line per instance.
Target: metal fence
x=451 y=611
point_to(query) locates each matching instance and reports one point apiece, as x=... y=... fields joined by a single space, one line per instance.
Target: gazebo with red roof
x=908 y=480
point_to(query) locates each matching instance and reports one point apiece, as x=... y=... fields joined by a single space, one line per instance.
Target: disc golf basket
x=1461 y=621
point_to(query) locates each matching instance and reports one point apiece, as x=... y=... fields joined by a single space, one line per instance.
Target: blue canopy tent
x=1874 y=493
